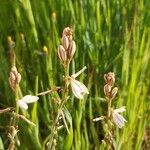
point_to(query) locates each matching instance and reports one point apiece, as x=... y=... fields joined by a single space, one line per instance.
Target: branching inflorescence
x=66 y=51
x=112 y=117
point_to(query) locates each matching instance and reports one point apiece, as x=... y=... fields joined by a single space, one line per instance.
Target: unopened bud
x=54 y=17
x=11 y=43
x=22 y=36
x=14 y=70
x=71 y=50
x=62 y=54
x=45 y=49
x=18 y=78
x=14 y=78
x=68 y=32
x=65 y=42
x=109 y=78
x=114 y=92
x=107 y=90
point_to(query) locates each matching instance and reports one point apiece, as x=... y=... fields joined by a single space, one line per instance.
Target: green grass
x=111 y=35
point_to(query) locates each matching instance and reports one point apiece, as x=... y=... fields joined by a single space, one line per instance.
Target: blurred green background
x=111 y=35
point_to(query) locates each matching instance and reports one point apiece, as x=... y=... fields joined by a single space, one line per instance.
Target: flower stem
x=109 y=109
x=61 y=105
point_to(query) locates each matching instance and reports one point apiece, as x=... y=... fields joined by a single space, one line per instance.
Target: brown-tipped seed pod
x=14 y=78
x=65 y=42
x=71 y=50
x=109 y=78
x=107 y=90
x=62 y=54
x=113 y=93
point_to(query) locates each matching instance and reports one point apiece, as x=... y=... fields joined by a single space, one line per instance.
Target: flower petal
x=30 y=99
x=78 y=89
x=118 y=119
x=22 y=104
x=121 y=109
x=79 y=72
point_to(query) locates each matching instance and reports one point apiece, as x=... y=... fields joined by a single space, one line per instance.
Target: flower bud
x=109 y=78
x=11 y=43
x=18 y=79
x=71 y=50
x=68 y=32
x=54 y=17
x=45 y=49
x=65 y=42
x=114 y=92
x=14 y=70
x=14 y=78
x=107 y=90
x=62 y=54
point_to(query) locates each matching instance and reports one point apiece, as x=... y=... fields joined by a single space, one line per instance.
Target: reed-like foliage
x=111 y=35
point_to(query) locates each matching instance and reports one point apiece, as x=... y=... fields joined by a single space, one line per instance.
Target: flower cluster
x=67 y=48
x=110 y=93
x=14 y=78
x=109 y=90
x=66 y=52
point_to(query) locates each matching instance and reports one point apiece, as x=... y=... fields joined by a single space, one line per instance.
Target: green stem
x=65 y=95
x=109 y=109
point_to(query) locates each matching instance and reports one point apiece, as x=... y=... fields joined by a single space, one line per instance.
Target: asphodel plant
x=112 y=117
x=21 y=102
x=66 y=51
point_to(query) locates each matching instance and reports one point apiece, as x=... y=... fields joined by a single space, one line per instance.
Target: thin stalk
x=65 y=95
x=109 y=135
x=109 y=109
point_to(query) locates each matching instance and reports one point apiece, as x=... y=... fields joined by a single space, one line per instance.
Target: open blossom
x=117 y=118
x=78 y=88
x=23 y=103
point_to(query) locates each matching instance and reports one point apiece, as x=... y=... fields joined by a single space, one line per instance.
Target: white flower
x=22 y=103
x=78 y=89
x=117 y=118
